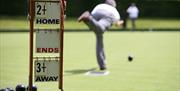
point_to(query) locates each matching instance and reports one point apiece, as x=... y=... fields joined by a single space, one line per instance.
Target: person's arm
x=117 y=20
x=118 y=23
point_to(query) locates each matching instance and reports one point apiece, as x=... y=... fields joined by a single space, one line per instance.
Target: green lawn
x=156 y=65
x=21 y=23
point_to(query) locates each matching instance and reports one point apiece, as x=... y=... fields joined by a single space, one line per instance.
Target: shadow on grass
x=77 y=71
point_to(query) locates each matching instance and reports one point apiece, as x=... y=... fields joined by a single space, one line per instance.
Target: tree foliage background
x=148 y=8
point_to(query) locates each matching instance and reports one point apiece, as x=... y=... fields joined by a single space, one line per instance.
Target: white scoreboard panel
x=46 y=70
x=47 y=41
x=47 y=10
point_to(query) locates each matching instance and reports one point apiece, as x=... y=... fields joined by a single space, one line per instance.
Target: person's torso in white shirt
x=133 y=12
x=107 y=11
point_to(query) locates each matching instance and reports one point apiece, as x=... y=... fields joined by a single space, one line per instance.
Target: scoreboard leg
x=31 y=19
x=61 y=44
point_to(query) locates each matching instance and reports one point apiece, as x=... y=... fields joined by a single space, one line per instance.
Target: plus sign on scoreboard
x=47 y=12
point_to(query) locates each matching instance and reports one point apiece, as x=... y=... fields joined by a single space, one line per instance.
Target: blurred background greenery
x=148 y=8
x=154 y=14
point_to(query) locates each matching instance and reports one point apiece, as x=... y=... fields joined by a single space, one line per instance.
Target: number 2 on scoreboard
x=41 y=9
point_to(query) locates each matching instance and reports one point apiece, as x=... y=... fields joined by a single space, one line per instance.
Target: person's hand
x=119 y=23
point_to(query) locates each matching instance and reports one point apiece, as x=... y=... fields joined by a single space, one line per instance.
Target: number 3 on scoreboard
x=40 y=67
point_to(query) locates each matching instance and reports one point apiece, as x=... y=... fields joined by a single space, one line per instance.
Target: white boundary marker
x=97 y=73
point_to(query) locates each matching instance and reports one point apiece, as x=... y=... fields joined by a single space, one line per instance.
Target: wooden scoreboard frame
x=31 y=11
